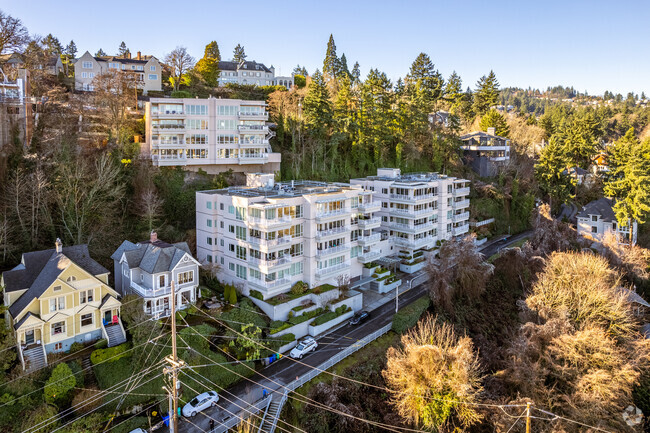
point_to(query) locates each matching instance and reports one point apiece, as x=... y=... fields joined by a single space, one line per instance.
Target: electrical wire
x=556 y=417
x=517 y=420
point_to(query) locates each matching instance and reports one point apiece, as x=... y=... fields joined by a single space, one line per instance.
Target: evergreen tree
x=331 y=64
x=300 y=70
x=487 y=93
x=551 y=173
x=580 y=138
x=208 y=66
x=52 y=46
x=424 y=78
x=355 y=74
x=100 y=53
x=496 y=120
x=122 y=51
x=71 y=50
x=643 y=96
x=238 y=54
x=317 y=109
x=343 y=65
x=629 y=181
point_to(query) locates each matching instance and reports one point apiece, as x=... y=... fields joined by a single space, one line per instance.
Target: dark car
x=360 y=317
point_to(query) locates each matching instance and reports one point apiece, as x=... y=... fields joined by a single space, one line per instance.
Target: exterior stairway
x=114 y=334
x=35 y=358
x=272 y=415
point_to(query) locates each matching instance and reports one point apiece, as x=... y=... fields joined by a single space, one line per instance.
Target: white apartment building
x=211 y=134
x=148 y=70
x=418 y=209
x=266 y=236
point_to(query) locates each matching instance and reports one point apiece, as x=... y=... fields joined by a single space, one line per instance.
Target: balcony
x=371 y=223
x=270 y=285
x=414 y=244
x=412 y=213
x=270 y=243
x=365 y=241
x=276 y=222
x=267 y=265
x=461 y=217
x=373 y=206
x=253 y=128
x=459 y=192
x=461 y=230
x=168 y=160
x=369 y=256
x=330 y=270
x=407 y=228
x=180 y=127
x=411 y=198
x=334 y=250
x=254 y=115
x=331 y=232
x=251 y=159
x=167 y=113
x=321 y=216
x=167 y=144
x=460 y=204
x=257 y=143
x=146 y=292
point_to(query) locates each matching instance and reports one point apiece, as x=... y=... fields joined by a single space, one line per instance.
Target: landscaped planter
x=281 y=311
x=409 y=269
x=388 y=287
x=317 y=330
x=368 y=272
x=299 y=330
x=289 y=346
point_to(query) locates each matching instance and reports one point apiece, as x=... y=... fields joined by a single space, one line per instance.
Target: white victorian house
x=147 y=270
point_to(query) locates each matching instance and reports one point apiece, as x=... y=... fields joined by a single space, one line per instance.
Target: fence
x=481 y=223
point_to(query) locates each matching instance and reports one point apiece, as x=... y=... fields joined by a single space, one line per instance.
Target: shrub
x=232 y=299
x=408 y=316
x=287 y=338
x=282 y=327
x=58 y=386
x=276 y=324
x=75 y=347
x=324 y=318
x=256 y=294
x=101 y=344
x=341 y=310
x=299 y=288
x=306 y=316
x=181 y=94
x=112 y=353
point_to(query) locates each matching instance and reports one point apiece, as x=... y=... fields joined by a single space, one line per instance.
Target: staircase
x=89 y=375
x=114 y=334
x=272 y=415
x=35 y=358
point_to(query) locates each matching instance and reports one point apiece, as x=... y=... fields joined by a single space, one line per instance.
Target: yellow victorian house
x=57 y=297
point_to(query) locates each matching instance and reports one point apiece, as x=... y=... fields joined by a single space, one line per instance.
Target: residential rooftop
x=393 y=175
x=289 y=189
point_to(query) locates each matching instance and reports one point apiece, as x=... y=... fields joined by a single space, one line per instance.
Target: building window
x=241 y=272
x=209 y=222
x=241 y=233
x=220 y=206
x=57 y=303
x=58 y=346
x=85 y=296
x=153 y=76
x=221 y=224
x=231 y=266
x=161 y=281
x=71 y=278
x=209 y=258
x=209 y=240
x=594 y=229
x=221 y=241
x=152 y=68
x=209 y=206
x=58 y=328
x=594 y=218
x=86 y=319
x=84 y=75
x=186 y=277
x=241 y=252
x=87 y=65
x=56 y=289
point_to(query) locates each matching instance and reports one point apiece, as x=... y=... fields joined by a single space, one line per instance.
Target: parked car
x=200 y=402
x=303 y=347
x=360 y=317
x=138 y=430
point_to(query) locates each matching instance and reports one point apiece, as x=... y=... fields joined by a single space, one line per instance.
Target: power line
x=556 y=417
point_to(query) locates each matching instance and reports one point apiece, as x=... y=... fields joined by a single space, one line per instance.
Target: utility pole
x=174 y=366
x=527 y=417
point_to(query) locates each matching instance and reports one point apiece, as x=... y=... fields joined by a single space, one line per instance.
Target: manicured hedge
x=408 y=316
x=256 y=294
x=324 y=318
x=279 y=328
x=306 y=316
x=101 y=355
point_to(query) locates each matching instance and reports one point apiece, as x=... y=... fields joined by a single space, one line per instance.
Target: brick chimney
x=58 y=245
x=492 y=130
x=139 y=55
x=153 y=237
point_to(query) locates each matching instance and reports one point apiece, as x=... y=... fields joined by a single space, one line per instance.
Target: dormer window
x=594 y=218
x=71 y=278
x=161 y=281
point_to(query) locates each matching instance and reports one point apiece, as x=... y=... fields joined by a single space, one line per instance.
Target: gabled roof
x=25 y=318
x=225 y=65
x=481 y=134
x=602 y=206
x=142 y=61
x=39 y=269
x=152 y=257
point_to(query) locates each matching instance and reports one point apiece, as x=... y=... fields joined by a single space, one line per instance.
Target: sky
x=591 y=45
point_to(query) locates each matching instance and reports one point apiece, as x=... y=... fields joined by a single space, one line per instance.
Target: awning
x=361 y=282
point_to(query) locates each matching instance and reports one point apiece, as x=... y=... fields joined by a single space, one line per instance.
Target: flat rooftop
x=411 y=178
x=285 y=189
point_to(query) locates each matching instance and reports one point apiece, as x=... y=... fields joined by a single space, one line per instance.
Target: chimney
x=153 y=237
x=139 y=55
x=58 y=245
x=128 y=54
x=492 y=130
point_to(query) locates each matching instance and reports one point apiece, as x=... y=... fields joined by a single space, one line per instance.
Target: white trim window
x=58 y=328
x=161 y=281
x=86 y=296
x=152 y=68
x=87 y=319
x=153 y=76
x=57 y=304
x=87 y=65
x=186 y=277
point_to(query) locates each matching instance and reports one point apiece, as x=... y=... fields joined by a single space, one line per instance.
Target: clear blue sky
x=592 y=45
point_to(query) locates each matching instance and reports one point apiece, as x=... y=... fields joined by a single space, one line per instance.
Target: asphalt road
x=495 y=247
x=281 y=372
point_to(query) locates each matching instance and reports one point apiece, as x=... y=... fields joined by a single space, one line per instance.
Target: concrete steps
x=35 y=359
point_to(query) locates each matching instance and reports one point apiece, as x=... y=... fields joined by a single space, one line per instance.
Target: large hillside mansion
x=485 y=152
x=211 y=134
x=146 y=69
x=266 y=236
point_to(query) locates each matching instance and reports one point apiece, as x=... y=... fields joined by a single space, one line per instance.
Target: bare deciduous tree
x=13 y=34
x=115 y=92
x=179 y=61
x=149 y=207
x=431 y=372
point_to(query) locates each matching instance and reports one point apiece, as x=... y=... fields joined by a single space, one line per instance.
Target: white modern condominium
x=419 y=209
x=266 y=236
x=211 y=134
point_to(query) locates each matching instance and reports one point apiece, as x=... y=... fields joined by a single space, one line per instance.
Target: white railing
x=330 y=232
x=168 y=126
x=333 y=250
x=164 y=113
x=369 y=239
x=269 y=263
x=417 y=243
x=331 y=269
x=263 y=114
x=270 y=222
x=253 y=128
x=368 y=222
x=460 y=204
x=369 y=256
x=373 y=206
x=150 y=293
x=461 y=216
x=460 y=230
x=481 y=223
x=333 y=213
x=271 y=242
x=268 y=285
x=461 y=191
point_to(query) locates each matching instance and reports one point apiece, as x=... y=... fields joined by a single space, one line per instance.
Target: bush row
x=408 y=316
x=101 y=355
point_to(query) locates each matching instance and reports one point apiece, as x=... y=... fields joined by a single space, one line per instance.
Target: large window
x=196 y=124
x=87 y=65
x=240 y=233
x=153 y=76
x=200 y=110
x=57 y=304
x=241 y=272
x=227 y=110
x=186 y=277
x=241 y=252
x=196 y=139
x=86 y=296
x=58 y=328
x=86 y=319
x=226 y=124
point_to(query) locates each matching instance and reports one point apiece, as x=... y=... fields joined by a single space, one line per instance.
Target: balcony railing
x=369 y=256
x=460 y=204
x=269 y=285
x=413 y=244
x=174 y=127
x=369 y=223
x=373 y=206
x=461 y=217
x=270 y=263
x=461 y=191
x=284 y=240
x=332 y=213
x=166 y=113
x=253 y=128
x=367 y=240
x=320 y=273
x=461 y=230
x=412 y=228
x=146 y=292
x=331 y=232
x=254 y=115
x=412 y=198
x=333 y=250
x=270 y=222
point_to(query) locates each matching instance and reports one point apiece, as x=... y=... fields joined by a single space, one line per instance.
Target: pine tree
x=71 y=50
x=355 y=74
x=495 y=120
x=487 y=93
x=343 y=65
x=300 y=70
x=331 y=64
x=629 y=181
x=122 y=51
x=208 y=66
x=100 y=53
x=238 y=54
x=52 y=46
x=551 y=174
x=425 y=78
x=317 y=107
